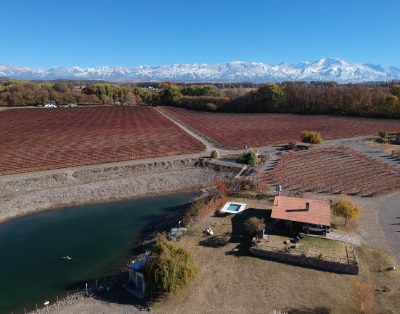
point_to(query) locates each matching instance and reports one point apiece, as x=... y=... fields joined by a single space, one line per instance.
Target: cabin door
x=139 y=282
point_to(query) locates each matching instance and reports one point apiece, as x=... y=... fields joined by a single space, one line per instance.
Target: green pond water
x=98 y=238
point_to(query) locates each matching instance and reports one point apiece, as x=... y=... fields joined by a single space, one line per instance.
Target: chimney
x=307 y=206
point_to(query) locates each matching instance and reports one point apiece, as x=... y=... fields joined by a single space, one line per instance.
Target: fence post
x=36 y=306
x=57 y=298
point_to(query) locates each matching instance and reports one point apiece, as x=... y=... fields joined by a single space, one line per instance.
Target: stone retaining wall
x=351 y=267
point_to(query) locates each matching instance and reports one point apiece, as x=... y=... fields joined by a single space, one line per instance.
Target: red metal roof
x=294 y=209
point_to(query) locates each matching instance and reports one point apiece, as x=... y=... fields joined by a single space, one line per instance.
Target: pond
x=97 y=237
x=231 y=160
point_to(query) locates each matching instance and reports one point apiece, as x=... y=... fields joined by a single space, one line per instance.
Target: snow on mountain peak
x=324 y=69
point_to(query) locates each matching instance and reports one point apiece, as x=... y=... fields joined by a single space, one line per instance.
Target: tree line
x=14 y=93
x=374 y=100
x=369 y=100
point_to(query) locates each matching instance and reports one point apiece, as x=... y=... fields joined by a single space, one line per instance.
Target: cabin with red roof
x=302 y=214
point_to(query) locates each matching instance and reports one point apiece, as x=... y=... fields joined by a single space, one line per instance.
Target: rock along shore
x=32 y=192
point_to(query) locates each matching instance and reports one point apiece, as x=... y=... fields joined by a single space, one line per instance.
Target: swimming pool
x=233 y=208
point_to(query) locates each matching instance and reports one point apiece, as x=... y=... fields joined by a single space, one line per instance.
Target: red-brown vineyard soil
x=335 y=170
x=41 y=139
x=237 y=130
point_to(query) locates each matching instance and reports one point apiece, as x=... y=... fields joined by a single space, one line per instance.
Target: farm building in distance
x=302 y=214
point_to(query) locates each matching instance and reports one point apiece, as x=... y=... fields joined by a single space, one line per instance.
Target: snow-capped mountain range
x=325 y=69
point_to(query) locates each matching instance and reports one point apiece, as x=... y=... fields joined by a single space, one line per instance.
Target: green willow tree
x=170 y=267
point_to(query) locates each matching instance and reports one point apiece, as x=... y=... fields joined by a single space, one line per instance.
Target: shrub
x=383 y=136
x=254 y=225
x=395 y=90
x=248 y=158
x=345 y=208
x=170 y=267
x=311 y=137
x=247 y=185
x=215 y=154
x=211 y=106
x=222 y=188
x=193 y=211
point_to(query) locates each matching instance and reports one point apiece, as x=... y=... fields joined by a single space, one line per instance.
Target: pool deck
x=227 y=208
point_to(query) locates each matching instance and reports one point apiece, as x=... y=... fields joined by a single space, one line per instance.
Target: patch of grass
x=325 y=247
x=309 y=246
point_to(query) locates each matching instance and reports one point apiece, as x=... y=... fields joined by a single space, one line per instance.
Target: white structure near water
x=233 y=208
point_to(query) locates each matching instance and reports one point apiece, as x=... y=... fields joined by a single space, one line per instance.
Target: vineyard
x=235 y=130
x=335 y=170
x=42 y=139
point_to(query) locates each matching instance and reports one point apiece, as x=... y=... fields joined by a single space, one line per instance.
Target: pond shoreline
x=34 y=192
x=59 y=207
x=146 y=239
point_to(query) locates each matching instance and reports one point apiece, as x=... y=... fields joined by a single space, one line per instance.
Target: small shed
x=136 y=276
x=302 y=214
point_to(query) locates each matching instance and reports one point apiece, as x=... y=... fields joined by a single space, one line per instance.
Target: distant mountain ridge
x=325 y=69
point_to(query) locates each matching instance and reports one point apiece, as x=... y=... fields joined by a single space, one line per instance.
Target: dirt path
x=209 y=145
x=380 y=222
x=390 y=220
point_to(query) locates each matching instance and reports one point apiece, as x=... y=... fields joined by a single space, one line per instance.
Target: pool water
x=231 y=160
x=234 y=207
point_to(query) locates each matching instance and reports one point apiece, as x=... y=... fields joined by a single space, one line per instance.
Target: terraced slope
x=335 y=170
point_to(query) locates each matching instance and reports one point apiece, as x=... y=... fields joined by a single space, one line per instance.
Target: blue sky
x=131 y=33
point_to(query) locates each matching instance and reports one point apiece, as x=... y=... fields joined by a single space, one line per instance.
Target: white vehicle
x=50 y=105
